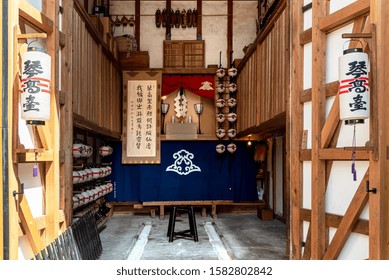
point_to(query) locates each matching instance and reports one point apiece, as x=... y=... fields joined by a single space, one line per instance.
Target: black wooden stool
x=191 y=232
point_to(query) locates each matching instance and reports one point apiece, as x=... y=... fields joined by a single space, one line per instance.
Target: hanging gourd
x=158 y=18
x=189 y=18
x=164 y=17
x=172 y=18
x=184 y=19
x=354 y=98
x=35 y=85
x=131 y=21
x=177 y=18
x=194 y=18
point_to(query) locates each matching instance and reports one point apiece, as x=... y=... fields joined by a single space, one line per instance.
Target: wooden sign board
x=141 y=117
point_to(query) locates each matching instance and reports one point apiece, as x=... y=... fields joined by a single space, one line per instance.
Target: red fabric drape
x=202 y=85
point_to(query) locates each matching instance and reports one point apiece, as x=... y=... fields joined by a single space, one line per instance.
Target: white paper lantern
x=232 y=72
x=220 y=87
x=231 y=117
x=220 y=148
x=76 y=177
x=354 y=101
x=231 y=148
x=220 y=103
x=232 y=87
x=105 y=151
x=35 y=86
x=220 y=132
x=231 y=132
x=220 y=72
x=220 y=118
x=78 y=150
x=231 y=102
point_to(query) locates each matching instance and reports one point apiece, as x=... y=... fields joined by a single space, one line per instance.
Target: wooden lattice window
x=183 y=54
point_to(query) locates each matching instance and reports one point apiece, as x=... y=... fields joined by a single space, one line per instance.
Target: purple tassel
x=353 y=167
x=35 y=170
x=355 y=175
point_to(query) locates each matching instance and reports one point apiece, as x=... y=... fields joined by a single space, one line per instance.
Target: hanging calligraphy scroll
x=141 y=117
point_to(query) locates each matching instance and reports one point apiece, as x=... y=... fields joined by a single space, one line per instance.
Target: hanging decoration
x=178 y=18
x=226 y=105
x=35 y=85
x=354 y=98
x=158 y=18
x=232 y=72
x=181 y=104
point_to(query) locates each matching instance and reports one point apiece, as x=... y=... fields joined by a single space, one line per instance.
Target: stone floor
x=230 y=236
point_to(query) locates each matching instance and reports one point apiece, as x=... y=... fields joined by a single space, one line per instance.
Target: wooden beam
x=331 y=89
x=345 y=15
x=331 y=124
x=349 y=220
x=332 y=220
x=319 y=10
x=295 y=125
x=29 y=156
x=34 y=18
x=44 y=134
x=336 y=154
x=29 y=225
x=306 y=36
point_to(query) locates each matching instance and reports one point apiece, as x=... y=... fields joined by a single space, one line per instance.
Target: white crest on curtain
x=183 y=164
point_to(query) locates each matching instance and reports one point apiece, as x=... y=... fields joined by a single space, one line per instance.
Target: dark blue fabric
x=222 y=177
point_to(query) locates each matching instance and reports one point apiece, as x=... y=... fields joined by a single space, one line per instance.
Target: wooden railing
x=263 y=79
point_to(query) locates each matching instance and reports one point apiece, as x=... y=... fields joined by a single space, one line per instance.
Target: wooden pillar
x=199 y=32
x=168 y=35
x=319 y=10
x=230 y=18
x=66 y=125
x=379 y=178
x=51 y=183
x=137 y=22
x=295 y=116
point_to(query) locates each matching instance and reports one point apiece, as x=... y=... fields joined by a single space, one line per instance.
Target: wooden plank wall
x=263 y=80
x=96 y=82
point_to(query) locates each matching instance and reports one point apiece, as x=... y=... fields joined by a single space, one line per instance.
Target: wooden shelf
x=81 y=122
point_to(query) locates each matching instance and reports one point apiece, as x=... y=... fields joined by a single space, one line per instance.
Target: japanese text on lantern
x=357 y=83
x=141 y=125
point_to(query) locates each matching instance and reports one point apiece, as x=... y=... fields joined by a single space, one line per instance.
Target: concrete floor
x=230 y=236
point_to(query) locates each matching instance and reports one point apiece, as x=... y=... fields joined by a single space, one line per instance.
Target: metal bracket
x=373 y=190
x=15 y=193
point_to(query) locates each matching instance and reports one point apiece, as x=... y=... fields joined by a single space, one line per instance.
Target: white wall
x=214 y=28
x=341 y=187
